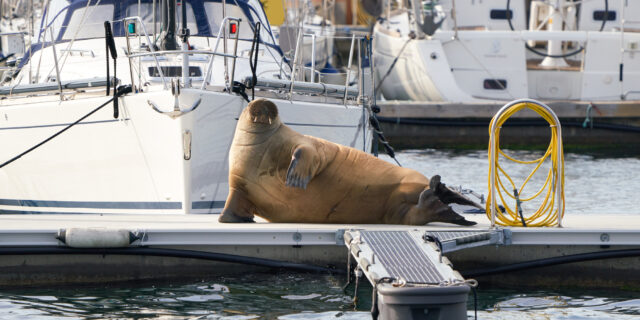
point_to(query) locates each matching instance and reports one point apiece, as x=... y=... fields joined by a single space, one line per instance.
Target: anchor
x=177 y=110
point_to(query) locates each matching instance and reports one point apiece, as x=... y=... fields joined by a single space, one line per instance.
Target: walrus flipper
x=238 y=208
x=448 y=196
x=436 y=211
x=302 y=167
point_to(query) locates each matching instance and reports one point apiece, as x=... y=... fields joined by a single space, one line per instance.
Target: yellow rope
x=547 y=213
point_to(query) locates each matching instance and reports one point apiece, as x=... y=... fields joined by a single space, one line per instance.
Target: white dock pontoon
x=315 y=244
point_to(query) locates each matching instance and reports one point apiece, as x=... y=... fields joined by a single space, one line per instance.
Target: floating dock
x=603 y=249
x=414 y=124
x=410 y=276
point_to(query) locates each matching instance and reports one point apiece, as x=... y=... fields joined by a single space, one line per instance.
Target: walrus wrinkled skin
x=284 y=176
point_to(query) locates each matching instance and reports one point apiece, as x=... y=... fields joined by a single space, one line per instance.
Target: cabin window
x=599 y=15
x=497 y=14
x=174 y=71
x=89 y=25
x=495 y=84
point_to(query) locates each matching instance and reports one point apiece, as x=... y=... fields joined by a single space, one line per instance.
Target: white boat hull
x=144 y=161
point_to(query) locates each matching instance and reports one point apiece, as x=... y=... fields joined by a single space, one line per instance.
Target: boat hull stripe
x=207 y=205
x=91 y=204
x=321 y=125
x=60 y=124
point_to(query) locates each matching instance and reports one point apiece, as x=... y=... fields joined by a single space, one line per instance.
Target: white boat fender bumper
x=97 y=237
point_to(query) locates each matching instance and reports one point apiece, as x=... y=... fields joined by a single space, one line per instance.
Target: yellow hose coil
x=551 y=210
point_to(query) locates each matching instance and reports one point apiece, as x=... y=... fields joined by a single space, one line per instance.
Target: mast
x=184 y=36
x=168 y=36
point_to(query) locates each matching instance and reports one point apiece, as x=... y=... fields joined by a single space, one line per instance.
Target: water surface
x=288 y=296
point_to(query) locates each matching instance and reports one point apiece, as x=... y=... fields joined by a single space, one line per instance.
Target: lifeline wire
x=545 y=215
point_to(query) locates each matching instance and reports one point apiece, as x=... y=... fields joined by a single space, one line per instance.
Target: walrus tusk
x=255 y=119
x=269 y=120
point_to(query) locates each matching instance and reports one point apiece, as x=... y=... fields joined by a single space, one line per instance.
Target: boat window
x=175 y=71
x=501 y=14
x=147 y=17
x=495 y=84
x=599 y=15
x=88 y=22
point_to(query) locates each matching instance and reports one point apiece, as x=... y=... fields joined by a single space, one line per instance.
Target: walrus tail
x=448 y=196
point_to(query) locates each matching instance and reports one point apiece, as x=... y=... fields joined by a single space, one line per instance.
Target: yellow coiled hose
x=551 y=210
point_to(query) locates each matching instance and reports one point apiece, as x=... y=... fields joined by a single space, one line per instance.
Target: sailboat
x=130 y=106
x=482 y=51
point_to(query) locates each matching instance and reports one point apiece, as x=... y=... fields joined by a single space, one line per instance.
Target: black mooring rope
x=116 y=93
x=253 y=54
x=373 y=119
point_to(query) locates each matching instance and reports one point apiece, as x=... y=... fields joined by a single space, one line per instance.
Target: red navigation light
x=233 y=28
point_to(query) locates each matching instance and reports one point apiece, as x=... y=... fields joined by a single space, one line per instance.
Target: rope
x=253 y=54
x=121 y=91
x=374 y=109
x=393 y=64
x=545 y=215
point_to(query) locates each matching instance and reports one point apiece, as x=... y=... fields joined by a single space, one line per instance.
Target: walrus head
x=261 y=111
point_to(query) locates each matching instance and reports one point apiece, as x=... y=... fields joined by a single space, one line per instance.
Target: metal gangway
x=410 y=277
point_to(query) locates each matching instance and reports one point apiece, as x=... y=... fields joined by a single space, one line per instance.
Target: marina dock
x=415 y=124
x=615 y=236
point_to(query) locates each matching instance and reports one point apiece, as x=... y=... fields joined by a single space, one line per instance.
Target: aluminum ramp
x=412 y=278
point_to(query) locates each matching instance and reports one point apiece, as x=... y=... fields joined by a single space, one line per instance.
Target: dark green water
x=287 y=296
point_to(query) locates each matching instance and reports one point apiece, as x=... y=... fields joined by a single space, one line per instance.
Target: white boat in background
x=163 y=148
x=308 y=34
x=18 y=19
x=475 y=51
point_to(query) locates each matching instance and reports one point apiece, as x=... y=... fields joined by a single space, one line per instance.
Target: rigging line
x=57 y=133
x=45 y=19
x=393 y=64
x=267 y=46
x=68 y=50
x=144 y=155
x=485 y=68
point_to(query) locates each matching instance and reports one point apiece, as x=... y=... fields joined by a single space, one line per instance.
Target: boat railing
x=226 y=22
x=128 y=32
x=300 y=70
x=347 y=91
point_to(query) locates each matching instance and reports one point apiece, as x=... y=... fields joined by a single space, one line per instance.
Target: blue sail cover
x=83 y=19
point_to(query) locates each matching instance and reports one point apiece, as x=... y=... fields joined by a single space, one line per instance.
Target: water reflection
x=287 y=296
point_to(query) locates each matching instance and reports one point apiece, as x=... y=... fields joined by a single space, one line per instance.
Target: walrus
x=283 y=176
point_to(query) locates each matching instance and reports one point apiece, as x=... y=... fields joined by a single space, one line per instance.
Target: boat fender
x=97 y=237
